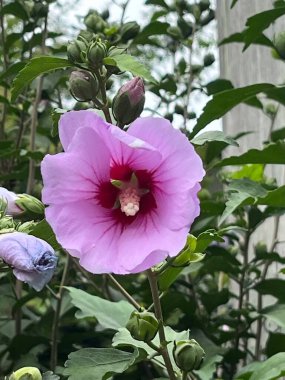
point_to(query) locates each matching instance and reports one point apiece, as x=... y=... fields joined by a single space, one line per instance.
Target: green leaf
x=110 y=315
x=160 y=3
x=55 y=116
x=275 y=313
x=242 y=190
x=259 y=22
x=240 y=37
x=213 y=136
x=275 y=343
x=224 y=101
x=13 y=70
x=233 y=3
x=123 y=338
x=271 y=369
x=35 y=67
x=98 y=363
x=274 y=198
x=154 y=28
x=271 y=154
x=16 y=9
x=218 y=85
x=44 y=231
x=50 y=376
x=278 y=134
x=272 y=287
x=126 y=62
x=253 y=172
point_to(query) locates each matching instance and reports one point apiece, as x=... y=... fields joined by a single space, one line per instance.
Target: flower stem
x=123 y=291
x=55 y=325
x=158 y=314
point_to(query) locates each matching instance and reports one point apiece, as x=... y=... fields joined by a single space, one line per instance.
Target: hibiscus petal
x=178 y=155
x=76 y=174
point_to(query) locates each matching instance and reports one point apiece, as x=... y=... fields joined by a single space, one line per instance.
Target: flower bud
x=129 y=31
x=174 y=32
x=30 y=204
x=75 y=51
x=209 y=59
x=10 y=199
x=39 y=10
x=96 y=53
x=279 y=43
x=204 y=5
x=142 y=326
x=83 y=86
x=33 y=260
x=94 y=22
x=188 y=355
x=129 y=102
x=26 y=373
x=185 y=27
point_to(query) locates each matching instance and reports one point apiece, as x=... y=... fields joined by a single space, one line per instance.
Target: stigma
x=130 y=201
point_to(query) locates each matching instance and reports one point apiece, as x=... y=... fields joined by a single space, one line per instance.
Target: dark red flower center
x=133 y=195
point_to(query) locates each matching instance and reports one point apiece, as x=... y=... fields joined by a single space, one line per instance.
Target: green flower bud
x=96 y=53
x=169 y=116
x=188 y=355
x=192 y=115
x=129 y=102
x=204 y=5
x=279 y=43
x=30 y=204
x=179 y=109
x=196 y=69
x=105 y=14
x=209 y=59
x=271 y=109
x=142 y=326
x=208 y=18
x=129 y=31
x=26 y=373
x=94 y=22
x=185 y=27
x=83 y=86
x=174 y=32
x=39 y=10
x=75 y=51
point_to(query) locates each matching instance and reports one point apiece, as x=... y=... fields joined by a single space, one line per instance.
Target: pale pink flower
x=10 y=198
x=121 y=201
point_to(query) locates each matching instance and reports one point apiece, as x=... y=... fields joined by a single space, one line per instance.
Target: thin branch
x=158 y=313
x=259 y=297
x=123 y=291
x=55 y=325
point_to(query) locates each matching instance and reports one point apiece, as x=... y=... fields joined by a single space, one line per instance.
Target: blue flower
x=33 y=260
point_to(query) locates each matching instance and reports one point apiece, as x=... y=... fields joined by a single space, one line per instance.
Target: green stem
x=34 y=122
x=102 y=87
x=158 y=313
x=123 y=291
x=55 y=324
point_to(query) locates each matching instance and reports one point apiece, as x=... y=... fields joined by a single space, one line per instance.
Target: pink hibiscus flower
x=121 y=201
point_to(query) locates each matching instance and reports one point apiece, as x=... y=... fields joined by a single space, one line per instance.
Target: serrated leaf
x=98 y=363
x=110 y=315
x=213 y=136
x=240 y=37
x=50 y=376
x=242 y=190
x=271 y=154
x=224 y=101
x=44 y=231
x=126 y=62
x=35 y=67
